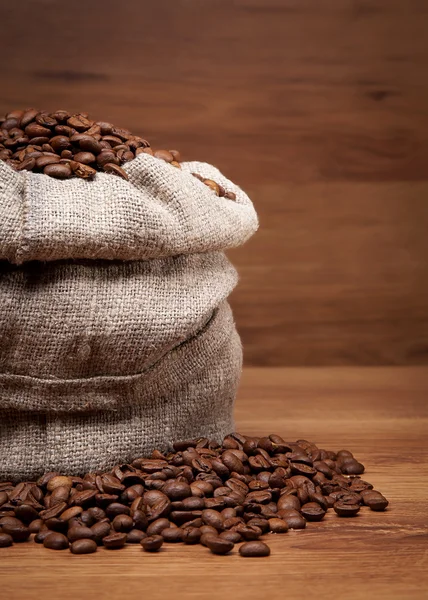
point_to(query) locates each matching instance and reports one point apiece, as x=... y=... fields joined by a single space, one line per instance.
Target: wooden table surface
x=381 y=414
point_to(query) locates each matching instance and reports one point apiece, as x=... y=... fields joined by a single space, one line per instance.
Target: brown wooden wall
x=318 y=108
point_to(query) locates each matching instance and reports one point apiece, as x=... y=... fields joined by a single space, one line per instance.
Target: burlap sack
x=115 y=332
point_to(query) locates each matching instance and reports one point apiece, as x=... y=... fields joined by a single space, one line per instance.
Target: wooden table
x=379 y=413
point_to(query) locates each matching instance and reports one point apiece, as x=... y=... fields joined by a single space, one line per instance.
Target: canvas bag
x=115 y=332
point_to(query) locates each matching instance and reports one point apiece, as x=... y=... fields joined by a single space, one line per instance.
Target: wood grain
x=317 y=107
x=381 y=414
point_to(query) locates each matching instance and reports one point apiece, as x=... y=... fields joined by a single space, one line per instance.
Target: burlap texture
x=115 y=332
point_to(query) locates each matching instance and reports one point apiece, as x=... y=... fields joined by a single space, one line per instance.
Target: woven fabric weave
x=115 y=332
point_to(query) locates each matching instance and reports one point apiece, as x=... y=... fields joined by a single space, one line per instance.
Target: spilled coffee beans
x=199 y=493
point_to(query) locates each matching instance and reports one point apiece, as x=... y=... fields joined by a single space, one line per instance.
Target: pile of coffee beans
x=200 y=493
x=63 y=145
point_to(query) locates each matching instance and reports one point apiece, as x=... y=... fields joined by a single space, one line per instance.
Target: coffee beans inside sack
x=116 y=335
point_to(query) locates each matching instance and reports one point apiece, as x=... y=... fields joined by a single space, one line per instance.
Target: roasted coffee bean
x=33 y=130
x=213 y=518
x=135 y=536
x=374 y=500
x=69 y=513
x=79 y=532
x=343 y=509
x=164 y=155
x=191 y=535
x=79 y=122
x=152 y=543
x=35 y=526
x=100 y=530
x=293 y=518
x=86 y=158
x=5 y=540
x=254 y=549
x=27 y=164
x=208 y=529
x=172 y=534
x=123 y=523
x=84 y=546
x=230 y=195
x=231 y=536
x=312 y=511
x=42 y=161
x=115 y=508
x=39 y=538
x=56 y=541
x=156 y=527
x=58 y=171
x=218 y=545
x=82 y=170
x=177 y=490
x=248 y=532
x=56 y=524
x=26 y=513
x=114 y=541
x=262 y=524
x=115 y=170
x=19 y=533
x=278 y=526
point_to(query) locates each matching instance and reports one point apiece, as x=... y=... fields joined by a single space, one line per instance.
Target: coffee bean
x=69 y=513
x=212 y=185
x=44 y=160
x=135 y=536
x=152 y=543
x=85 y=158
x=115 y=541
x=248 y=532
x=115 y=508
x=5 y=540
x=374 y=500
x=56 y=524
x=231 y=536
x=56 y=541
x=342 y=509
x=219 y=545
x=35 y=525
x=79 y=122
x=27 y=164
x=293 y=518
x=191 y=535
x=172 y=534
x=278 y=526
x=123 y=523
x=33 y=130
x=58 y=171
x=26 y=513
x=254 y=549
x=213 y=518
x=164 y=155
x=177 y=490
x=100 y=530
x=84 y=546
x=312 y=511
x=82 y=170
x=41 y=535
x=115 y=170
x=230 y=195
x=19 y=533
x=156 y=527
x=28 y=116
x=80 y=533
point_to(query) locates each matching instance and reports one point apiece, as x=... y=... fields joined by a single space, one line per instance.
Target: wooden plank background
x=318 y=108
